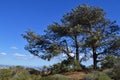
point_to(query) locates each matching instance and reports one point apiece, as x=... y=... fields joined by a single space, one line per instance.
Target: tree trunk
x=94 y=58
x=77 y=48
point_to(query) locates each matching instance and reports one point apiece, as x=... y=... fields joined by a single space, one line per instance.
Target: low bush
x=97 y=76
x=22 y=76
x=5 y=74
x=116 y=71
x=109 y=72
x=54 y=77
x=18 y=73
x=109 y=62
x=66 y=66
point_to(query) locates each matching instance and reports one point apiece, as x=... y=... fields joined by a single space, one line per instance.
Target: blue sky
x=17 y=16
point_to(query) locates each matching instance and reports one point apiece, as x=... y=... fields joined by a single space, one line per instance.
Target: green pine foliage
x=83 y=30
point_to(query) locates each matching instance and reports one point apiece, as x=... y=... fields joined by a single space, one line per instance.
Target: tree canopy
x=83 y=30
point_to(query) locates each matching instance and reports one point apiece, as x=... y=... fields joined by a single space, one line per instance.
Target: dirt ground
x=75 y=75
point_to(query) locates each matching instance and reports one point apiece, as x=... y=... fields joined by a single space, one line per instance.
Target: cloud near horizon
x=23 y=56
x=19 y=55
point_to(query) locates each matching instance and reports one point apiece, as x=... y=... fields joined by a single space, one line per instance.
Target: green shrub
x=22 y=76
x=19 y=73
x=5 y=74
x=77 y=66
x=103 y=76
x=96 y=76
x=60 y=68
x=59 y=77
x=109 y=62
x=54 y=77
x=36 y=77
x=109 y=72
x=116 y=71
x=66 y=66
x=56 y=68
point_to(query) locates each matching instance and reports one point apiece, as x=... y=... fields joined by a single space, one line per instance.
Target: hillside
x=22 y=73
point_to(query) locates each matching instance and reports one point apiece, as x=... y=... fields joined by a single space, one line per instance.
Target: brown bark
x=94 y=58
x=77 y=48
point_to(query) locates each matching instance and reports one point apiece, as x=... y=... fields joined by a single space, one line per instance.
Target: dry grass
x=75 y=75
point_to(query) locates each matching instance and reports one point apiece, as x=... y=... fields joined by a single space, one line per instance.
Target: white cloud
x=3 y=54
x=19 y=55
x=22 y=56
x=14 y=48
x=72 y=54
